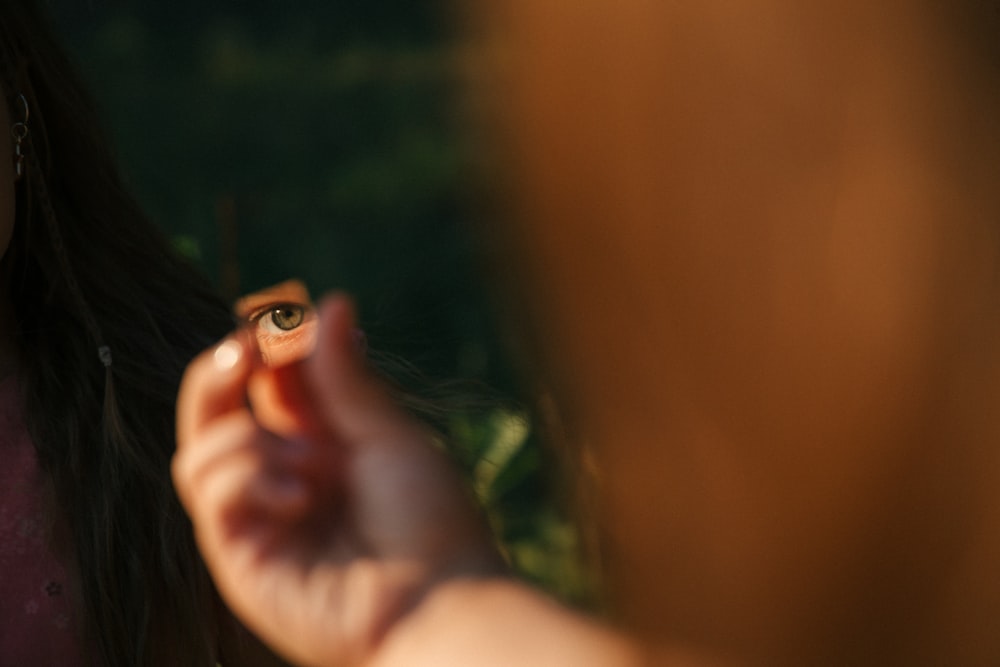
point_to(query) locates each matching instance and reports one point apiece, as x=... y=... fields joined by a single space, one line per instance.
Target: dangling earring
x=19 y=132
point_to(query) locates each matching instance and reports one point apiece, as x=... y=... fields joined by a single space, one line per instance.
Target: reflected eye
x=282 y=319
x=279 y=318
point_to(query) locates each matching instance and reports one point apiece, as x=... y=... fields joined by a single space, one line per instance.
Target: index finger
x=213 y=385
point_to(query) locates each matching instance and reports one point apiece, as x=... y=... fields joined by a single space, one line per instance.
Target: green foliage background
x=317 y=139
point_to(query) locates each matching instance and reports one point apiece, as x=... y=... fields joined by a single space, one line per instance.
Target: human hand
x=324 y=529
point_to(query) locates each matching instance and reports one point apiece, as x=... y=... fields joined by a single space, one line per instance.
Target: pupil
x=287 y=318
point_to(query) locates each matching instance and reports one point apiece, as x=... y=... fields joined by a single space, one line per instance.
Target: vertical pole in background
x=229 y=263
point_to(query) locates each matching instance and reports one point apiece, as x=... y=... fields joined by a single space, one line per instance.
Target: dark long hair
x=85 y=269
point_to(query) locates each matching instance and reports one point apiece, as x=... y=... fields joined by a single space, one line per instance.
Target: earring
x=19 y=132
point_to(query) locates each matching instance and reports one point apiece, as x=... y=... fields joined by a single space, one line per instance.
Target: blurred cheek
x=776 y=338
x=750 y=254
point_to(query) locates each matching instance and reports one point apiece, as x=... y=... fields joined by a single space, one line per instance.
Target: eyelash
x=259 y=314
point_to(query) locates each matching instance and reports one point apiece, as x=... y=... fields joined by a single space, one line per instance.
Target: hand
x=323 y=530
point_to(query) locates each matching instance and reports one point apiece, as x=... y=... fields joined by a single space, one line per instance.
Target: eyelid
x=291 y=291
x=277 y=345
x=263 y=310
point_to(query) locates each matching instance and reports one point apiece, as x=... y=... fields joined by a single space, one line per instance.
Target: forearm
x=500 y=622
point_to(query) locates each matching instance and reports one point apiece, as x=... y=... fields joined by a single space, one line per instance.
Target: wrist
x=496 y=620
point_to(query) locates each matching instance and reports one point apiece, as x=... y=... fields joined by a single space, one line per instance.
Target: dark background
x=302 y=138
x=319 y=139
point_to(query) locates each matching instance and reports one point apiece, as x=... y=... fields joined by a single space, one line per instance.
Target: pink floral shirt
x=37 y=625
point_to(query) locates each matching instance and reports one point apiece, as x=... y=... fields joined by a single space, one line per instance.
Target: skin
x=764 y=247
x=337 y=519
x=761 y=245
x=275 y=347
x=349 y=539
x=278 y=346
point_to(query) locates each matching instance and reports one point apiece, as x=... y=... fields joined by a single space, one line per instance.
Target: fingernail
x=227 y=355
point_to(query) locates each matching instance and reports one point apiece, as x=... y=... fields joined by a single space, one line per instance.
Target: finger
x=280 y=402
x=235 y=447
x=209 y=448
x=213 y=384
x=249 y=498
x=347 y=397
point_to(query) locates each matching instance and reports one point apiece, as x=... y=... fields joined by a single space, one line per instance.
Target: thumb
x=351 y=401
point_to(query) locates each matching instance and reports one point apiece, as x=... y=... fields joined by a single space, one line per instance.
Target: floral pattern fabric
x=37 y=625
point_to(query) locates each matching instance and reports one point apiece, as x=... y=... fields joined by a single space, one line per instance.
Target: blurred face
x=769 y=255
